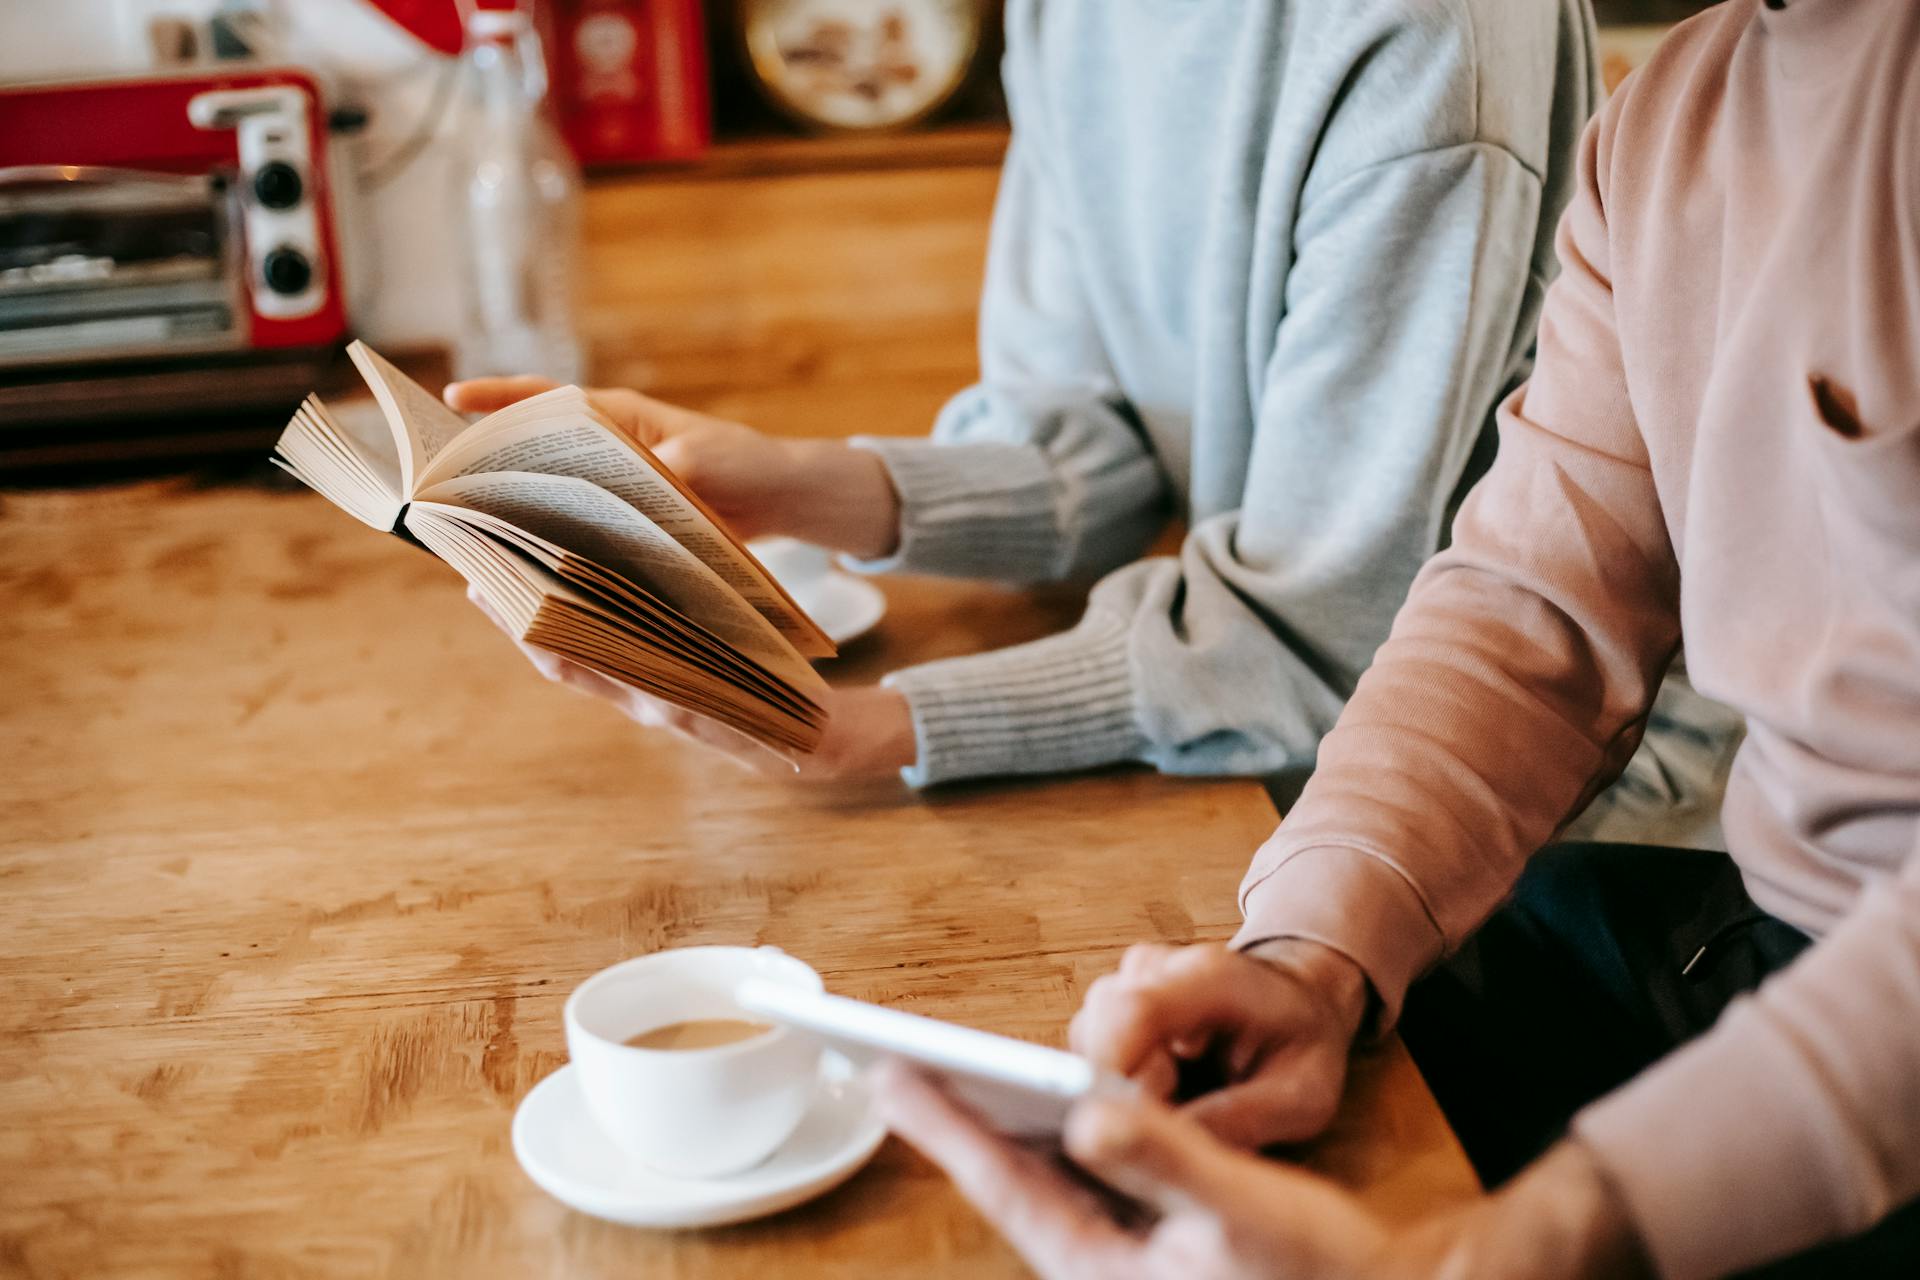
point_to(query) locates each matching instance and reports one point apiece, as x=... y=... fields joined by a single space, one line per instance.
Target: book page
x=327 y=454
x=567 y=625
x=543 y=610
x=363 y=427
x=422 y=426
x=510 y=585
x=579 y=516
x=569 y=439
x=626 y=605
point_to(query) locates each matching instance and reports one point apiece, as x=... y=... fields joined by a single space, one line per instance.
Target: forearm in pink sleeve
x=1796 y=1120
x=1518 y=674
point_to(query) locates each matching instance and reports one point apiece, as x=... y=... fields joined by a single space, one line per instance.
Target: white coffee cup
x=692 y=1113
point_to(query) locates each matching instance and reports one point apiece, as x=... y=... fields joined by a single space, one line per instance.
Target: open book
x=580 y=541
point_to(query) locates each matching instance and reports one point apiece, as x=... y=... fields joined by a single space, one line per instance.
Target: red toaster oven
x=165 y=216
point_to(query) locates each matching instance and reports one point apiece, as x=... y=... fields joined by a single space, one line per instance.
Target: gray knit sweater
x=1266 y=265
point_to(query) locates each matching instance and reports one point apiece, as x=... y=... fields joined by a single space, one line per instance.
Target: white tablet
x=1022 y=1089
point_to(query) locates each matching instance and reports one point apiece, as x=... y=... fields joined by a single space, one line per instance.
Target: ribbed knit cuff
x=1352 y=900
x=969 y=510
x=1058 y=704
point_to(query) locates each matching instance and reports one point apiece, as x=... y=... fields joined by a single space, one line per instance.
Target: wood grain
x=298 y=859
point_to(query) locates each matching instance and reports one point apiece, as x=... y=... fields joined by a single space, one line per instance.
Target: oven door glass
x=110 y=263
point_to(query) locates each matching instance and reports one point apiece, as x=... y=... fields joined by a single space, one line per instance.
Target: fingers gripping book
x=580 y=542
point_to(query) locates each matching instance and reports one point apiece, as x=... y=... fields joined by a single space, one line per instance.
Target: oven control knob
x=286 y=270
x=276 y=185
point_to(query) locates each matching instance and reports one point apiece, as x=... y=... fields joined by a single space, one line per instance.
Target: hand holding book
x=581 y=542
x=818 y=491
x=868 y=733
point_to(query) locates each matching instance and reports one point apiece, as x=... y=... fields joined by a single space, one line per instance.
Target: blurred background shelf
x=945 y=145
x=740 y=256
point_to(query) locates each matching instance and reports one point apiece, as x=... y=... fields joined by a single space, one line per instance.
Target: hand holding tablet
x=1022 y=1089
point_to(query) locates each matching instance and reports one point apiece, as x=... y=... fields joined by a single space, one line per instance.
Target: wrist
x=1560 y=1217
x=842 y=498
x=1339 y=983
x=869 y=733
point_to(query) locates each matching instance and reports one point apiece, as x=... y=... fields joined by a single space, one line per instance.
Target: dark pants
x=1606 y=958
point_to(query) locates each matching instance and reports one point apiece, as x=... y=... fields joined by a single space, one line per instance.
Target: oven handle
x=53 y=174
x=103 y=186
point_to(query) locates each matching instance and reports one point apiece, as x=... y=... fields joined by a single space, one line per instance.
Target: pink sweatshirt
x=1721 y=440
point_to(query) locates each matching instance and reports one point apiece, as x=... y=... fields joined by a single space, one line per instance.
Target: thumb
x=672 y=454
x=485 y=606
x=581 y=678
x=1262 y=1111
x=647 y=420
x=484 y=395
x=1144 y=1150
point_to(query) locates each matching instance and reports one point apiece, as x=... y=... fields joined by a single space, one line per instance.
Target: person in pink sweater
x=1667 y=1062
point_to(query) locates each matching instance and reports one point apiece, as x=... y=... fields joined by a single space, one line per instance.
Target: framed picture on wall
x=861 y=64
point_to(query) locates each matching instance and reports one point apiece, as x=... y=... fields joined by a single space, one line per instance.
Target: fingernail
x=1099 y=1127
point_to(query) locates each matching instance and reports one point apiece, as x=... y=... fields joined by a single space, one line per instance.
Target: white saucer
x=846 y=607
x=563 y=1151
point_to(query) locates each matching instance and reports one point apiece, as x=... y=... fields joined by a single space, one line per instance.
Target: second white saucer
x=563 y=1151
x=845 y=606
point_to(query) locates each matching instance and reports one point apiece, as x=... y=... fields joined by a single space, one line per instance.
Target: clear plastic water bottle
x=520 y=192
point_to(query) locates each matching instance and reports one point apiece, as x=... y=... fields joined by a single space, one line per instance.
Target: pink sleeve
x=1518 y=674
x=1796 y=1120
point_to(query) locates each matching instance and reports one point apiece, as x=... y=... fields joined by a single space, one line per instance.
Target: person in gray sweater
x=1266 y=267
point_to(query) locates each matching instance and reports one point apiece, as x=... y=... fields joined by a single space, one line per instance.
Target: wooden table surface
x=298 y=861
